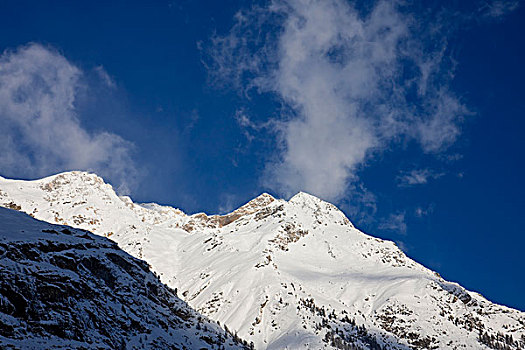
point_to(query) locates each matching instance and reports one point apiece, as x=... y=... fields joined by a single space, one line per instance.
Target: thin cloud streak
x=417 y=177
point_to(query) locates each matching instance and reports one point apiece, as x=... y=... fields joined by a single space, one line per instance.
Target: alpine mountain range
x=87 y=268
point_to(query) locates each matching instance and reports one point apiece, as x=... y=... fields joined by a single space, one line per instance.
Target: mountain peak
x=308 y=200
x=304 y=197
x=74 y=174
x=318 y=208
x=258 y=202
x=75 y=178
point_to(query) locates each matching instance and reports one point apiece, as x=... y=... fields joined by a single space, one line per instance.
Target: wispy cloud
x=228 y=203
x=417 y=177
x=249 y=127
x=361 y=205
x=421 y=211
x=403 y=246
x=192 y=119
x=499 y=8
x=246 y=124
x=394 y=222
x=105 y=77
x=350 y=84
x=40 y=127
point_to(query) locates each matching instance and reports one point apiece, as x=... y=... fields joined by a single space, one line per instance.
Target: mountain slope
x=67 y=288
x=293 y=274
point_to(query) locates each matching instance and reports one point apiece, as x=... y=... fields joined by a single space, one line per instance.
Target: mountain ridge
x=291 y=273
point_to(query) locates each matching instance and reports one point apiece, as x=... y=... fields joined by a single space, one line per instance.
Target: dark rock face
x=66 y=288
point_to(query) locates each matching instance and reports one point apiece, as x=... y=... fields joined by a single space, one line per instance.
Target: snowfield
x=284 y=274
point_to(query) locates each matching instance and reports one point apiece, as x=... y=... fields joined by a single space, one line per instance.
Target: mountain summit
x=283 y=274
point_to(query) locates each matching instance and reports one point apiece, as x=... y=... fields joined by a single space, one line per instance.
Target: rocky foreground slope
x=283 y=274
x=64 y=288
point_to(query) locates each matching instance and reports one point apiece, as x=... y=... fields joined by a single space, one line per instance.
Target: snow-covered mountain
x=64 y=288
x=283 y=274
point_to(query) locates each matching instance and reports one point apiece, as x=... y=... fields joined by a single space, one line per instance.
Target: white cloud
x=40 y=128
x=417 y=177
x=350 y=86
x=394 y=222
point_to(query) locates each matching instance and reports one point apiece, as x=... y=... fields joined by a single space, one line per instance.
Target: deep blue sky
x=191 y=151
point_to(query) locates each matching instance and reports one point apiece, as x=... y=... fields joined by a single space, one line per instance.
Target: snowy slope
x=64 y=288
x=292 y=274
